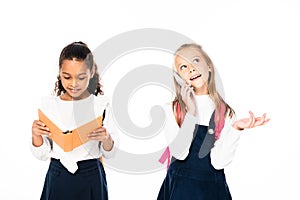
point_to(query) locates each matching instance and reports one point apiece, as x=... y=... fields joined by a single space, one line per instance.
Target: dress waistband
x=82 y=165
x=202 y=175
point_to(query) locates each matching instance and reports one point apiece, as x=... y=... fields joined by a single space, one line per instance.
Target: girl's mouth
x=195 y=77
x=73 y=90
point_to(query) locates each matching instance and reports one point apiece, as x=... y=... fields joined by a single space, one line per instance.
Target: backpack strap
x=221 y=121
x=166 y=156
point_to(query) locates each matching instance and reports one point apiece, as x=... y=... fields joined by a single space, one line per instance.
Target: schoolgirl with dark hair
x=77 y=173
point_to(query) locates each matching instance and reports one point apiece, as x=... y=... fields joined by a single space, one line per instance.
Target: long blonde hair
x=179 y=107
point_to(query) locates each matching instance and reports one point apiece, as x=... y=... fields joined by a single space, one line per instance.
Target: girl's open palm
x=250 y=122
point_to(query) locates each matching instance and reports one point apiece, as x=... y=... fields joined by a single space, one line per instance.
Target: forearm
x=224 y=150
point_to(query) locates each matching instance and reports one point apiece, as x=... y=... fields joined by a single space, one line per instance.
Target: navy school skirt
x=87 y=183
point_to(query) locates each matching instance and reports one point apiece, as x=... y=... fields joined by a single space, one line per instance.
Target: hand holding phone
x=187 y=94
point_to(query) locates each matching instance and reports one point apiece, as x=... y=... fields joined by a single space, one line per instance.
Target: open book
x=70 y=139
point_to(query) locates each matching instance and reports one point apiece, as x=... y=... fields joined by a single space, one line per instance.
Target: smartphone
x=178 y=79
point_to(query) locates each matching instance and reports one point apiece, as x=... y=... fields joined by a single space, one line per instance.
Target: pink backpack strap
x=220 y=125
x=166 y=156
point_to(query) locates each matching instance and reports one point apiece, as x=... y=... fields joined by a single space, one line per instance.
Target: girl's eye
x=66 y=77
x=196 y=60
x=81 y=78
x=183 y=67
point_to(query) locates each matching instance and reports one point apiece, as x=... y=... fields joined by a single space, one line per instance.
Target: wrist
x=108 y=143
x=235 y=126
x=37 y=140
x=34 y=136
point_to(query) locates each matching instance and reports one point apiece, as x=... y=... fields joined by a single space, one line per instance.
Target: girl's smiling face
x=75 y=77
x=192 y=67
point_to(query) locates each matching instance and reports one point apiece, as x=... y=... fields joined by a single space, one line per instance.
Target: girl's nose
x=192 y=69
x=74 y=83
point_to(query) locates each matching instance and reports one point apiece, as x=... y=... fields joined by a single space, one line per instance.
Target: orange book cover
x=69 y=140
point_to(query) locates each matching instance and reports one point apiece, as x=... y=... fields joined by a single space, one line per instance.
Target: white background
x=254 y=45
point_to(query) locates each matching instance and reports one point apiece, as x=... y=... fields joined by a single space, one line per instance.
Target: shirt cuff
x=41 y=152
x=108 y=154
x=235 y=131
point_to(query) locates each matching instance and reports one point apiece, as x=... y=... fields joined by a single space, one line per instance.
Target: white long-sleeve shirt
x=180 y=139
x=68 y=115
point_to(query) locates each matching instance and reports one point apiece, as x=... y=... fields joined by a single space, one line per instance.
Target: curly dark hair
x=80 y=52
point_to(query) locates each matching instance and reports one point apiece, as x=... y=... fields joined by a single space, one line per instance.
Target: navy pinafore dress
x=195 y=178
